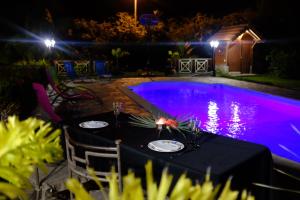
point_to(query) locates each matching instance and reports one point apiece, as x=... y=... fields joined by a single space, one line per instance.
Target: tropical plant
x=173 y=58
x=25 y=145
x=183 y=189
x=117 y=54
x=183 y=51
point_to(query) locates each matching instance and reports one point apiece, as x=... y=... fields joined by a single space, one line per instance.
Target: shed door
x=246 y=58
x=234 y=57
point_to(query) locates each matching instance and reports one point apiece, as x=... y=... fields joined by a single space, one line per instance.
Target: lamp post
x=214 y=44
x=135 y=11
x=49 y=43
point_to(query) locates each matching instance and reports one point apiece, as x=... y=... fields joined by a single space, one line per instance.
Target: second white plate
x=93 y=124
x=165 y=145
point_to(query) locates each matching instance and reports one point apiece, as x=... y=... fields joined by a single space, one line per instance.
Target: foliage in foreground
x=23 y=146
x=270 y=80
x=184 y=188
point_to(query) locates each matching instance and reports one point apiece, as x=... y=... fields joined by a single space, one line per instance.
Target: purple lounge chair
x=77 y=92
x=44 y=102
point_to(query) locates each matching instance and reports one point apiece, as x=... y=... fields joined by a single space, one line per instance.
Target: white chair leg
x=37 y=184
x=70 y=176
x=44 y=189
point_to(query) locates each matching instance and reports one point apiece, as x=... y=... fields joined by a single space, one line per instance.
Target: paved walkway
x=110 y=91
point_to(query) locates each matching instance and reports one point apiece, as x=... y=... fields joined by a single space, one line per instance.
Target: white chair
x=78 y=164
x=47 y=185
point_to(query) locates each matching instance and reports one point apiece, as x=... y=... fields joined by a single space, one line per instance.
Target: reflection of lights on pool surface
x=212 y=123
x=231 y=111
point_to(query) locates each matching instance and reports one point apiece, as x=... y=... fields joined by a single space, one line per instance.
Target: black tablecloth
x=246 y=162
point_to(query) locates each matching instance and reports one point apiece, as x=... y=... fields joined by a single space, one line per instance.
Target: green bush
x=283 y=63
x=16 y=86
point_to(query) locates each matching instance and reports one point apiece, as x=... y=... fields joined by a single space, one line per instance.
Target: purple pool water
x=239 y=113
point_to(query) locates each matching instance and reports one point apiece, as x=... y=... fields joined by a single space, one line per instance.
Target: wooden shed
x=235 y=51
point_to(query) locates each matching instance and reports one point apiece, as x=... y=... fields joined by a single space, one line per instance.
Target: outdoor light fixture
x=214 y=44
x=50 y=43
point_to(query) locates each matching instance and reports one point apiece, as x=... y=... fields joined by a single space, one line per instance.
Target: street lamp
x=214 y=44
x=135 y=11
x=50 y=43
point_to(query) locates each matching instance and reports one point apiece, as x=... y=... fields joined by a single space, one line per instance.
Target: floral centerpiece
x=160 y=121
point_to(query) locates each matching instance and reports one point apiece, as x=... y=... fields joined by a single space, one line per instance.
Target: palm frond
x=182 y=125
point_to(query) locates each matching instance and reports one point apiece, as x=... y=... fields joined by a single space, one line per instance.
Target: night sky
x=279 y=15
x=101 y=9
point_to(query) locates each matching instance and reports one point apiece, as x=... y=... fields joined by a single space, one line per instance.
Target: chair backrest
x=53 y=81
x=52 y=75
x=99 y=67
x=69 y=67
x=44 y=102
x=82 y=156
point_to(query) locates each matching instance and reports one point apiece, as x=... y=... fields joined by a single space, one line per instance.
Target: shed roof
x=230 y=33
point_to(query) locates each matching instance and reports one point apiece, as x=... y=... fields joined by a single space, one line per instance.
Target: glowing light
x=235 y=125
x=161 y=121
x=214 y=43
x=212 y=123
x=50 y=43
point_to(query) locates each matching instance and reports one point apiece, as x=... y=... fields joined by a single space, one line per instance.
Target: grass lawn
x=270 y=80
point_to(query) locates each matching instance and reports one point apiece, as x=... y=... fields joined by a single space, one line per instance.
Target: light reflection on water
x=233 y=112
x=211 y=124
x=235 y=125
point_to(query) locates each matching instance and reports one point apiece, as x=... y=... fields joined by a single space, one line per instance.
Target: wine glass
x=117 y=108
x=195 y=129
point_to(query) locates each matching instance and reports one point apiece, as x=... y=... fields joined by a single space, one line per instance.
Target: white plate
x=165 y=145
x=93 y=124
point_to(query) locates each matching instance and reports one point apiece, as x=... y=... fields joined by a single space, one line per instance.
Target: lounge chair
x=69 y=68
x=69 y=93
x=44 y=102
x=100 y=69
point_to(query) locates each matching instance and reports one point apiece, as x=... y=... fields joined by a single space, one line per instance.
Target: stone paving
x=109 y=91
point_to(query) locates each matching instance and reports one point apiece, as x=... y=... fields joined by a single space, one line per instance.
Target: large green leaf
x=183 y=190
x=23 y=146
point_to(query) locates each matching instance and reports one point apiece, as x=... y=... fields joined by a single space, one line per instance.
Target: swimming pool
x=230 y=111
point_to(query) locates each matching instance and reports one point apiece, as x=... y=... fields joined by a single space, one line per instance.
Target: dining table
x=244 y=162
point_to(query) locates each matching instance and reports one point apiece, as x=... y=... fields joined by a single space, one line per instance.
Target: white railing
x=185 y=65
x=193 y=65
x=81 y=66
x=59 y=65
